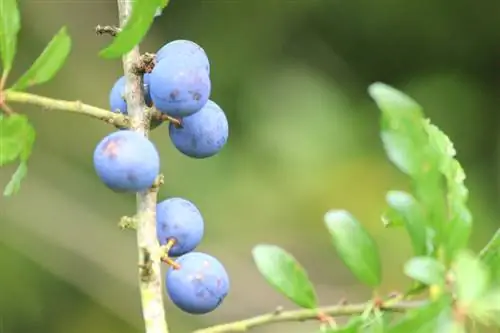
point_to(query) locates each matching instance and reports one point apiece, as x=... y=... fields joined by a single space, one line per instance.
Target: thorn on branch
x=107 y=30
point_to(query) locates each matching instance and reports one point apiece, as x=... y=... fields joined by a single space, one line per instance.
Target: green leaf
x=403 y=207
x=48 y=63
x=471 y=278
x=426 y=270
x=136 y=27
x=402 y=133
x=355 y=246
x=15 y=181
x=407 y=146
x=16 y=138
x=164 y=3
x=285 y=274
x=427 y=319
x=490 y=255
x=10 y=23
x=459 y=226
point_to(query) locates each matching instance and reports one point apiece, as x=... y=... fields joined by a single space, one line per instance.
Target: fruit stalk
x=148 y=247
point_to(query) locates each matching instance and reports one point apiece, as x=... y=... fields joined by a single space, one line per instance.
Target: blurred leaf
x=426 y=319
x=426 y=270
x=136 y=27
x=16 y=138
x=471 y=278
x=403 y=207
x=48 y=63
x=487 y=309
x=490 y=255
x=15 y=181
x=10 y=23
x=459 y=226
x=164 y=3
x=402 y=133
x=407 y=146
x=284 y=273
x=355 y=246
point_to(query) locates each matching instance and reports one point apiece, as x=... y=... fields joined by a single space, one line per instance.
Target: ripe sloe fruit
x=117 y=101
x=200 y=284
x=181 y=220
x=202 y=134
x=184 y=51
x=126 y=161
x=179 y=89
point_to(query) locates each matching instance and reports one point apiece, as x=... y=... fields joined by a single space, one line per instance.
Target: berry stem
x=307 y=314
x=150 y=278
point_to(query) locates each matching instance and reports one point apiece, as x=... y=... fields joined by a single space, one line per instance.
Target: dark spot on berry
x=174 y=94
x=131 y=177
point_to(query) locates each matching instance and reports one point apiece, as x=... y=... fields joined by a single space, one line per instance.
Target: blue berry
x=200 y=284
x=202 y=134
x=179 y=219
x=184 y=51
x=179 y=89
x=126 y=161
x=117 y=101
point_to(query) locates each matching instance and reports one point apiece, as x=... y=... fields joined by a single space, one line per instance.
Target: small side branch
x=304 y=315
x=116 y=119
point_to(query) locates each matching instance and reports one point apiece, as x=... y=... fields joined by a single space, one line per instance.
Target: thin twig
x=78 y=107
x=116 y=119
x=304 y=315
x=149 y=250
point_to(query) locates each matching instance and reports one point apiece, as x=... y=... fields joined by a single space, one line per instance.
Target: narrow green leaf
x=48 y=63
x=426 y=270
x=136 y=27
x=15 y=181
x=10 y=23
x=404 y=207
x=490 y=255
x=471 y=278
x=16 y=137
x=459 y=226
x=402 y=132
x=285 y=274
x=427 y=319
x=355 y=246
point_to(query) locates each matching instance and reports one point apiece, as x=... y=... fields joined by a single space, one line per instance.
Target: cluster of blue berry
x=126 y=161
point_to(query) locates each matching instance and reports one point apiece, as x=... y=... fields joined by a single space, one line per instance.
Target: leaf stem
x=307 y=314
x=149 y=250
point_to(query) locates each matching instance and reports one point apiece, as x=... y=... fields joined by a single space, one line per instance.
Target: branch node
x=145 y=64
x=128 y=222
x=107 y=30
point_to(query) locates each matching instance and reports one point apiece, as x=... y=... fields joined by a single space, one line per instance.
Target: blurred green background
x=292 y=77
